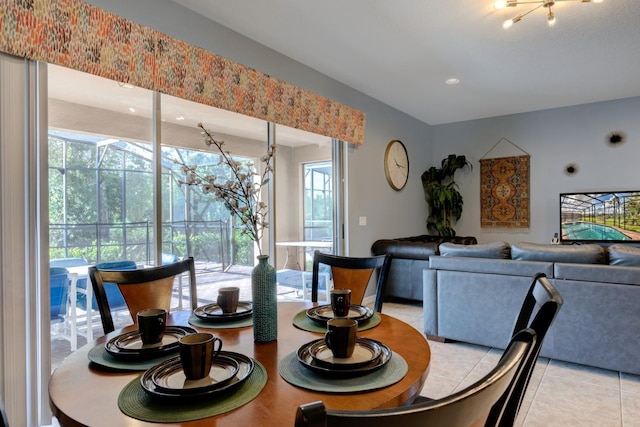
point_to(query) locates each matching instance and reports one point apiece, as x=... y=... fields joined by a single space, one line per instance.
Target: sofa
x=410 y=255
x=474 y=293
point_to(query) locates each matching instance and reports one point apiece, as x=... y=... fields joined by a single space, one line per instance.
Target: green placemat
x=302 y=321
x=294 y=373
x=136 y=403
x=99 y=355
x=201 y=323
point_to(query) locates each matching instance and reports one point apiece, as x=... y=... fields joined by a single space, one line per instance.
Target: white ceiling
x=402 y=51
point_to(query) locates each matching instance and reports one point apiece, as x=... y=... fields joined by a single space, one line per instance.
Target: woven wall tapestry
x=504 y=193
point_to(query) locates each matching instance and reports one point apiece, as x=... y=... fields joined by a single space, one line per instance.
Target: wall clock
x=396 y=165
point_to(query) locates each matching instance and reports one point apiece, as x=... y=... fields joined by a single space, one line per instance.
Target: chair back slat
x=539 y=309
x=144 y=288
x=352 y=273
x=155 y=294
x=465 y=408
x=356 y=280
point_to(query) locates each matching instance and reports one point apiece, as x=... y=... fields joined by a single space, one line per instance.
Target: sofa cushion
x=405 y=249
x=579 y=254
x=499 y=250
x=624 y=255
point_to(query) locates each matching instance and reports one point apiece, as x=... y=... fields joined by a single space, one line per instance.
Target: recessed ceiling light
x=125 y=85
x=452 y=81
x=180 y=118
x=131 y=109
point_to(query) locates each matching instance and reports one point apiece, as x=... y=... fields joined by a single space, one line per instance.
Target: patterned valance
x=83 y=37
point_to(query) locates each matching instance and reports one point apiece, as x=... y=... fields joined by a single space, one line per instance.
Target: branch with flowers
x=240 y=192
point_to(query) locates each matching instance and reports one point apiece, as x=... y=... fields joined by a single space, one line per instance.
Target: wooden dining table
x=81 y=394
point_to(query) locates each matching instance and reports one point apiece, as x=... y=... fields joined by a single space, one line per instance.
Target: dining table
x=82 y=393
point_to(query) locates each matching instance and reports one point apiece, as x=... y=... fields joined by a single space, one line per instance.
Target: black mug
x=340 y=302
x=197 y=351
x=151 y=324
x=341 y=337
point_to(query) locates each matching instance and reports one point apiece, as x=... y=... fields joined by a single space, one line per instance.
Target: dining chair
x=352 y=273
x=545 y=300
x=142 y=288
x=467 y=407
x=4 y=419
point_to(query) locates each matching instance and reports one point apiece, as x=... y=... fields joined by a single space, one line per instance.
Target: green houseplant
x=442 y=195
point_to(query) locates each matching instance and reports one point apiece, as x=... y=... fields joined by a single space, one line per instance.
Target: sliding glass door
x=109 y=142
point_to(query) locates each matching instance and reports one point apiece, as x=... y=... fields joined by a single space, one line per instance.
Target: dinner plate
x=365 y=352
x=323 y=313
x=129 y=345
x=245 y=368
x=169 y=377
x=213 y=312
x=307 y=359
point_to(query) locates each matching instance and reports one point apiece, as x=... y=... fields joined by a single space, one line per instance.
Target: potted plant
x=442 y=195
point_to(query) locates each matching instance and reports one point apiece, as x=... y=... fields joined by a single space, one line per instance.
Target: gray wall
x=389 y=213
x=553 y=138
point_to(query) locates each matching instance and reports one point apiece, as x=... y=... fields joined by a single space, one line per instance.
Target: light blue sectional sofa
x=474 y=293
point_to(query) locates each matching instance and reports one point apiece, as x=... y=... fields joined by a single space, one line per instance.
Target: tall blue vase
x=265 y=301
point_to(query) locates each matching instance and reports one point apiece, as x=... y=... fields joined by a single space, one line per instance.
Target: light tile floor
x=560 y=394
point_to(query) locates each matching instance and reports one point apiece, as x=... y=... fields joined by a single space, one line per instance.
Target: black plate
x=305 y=357
x=323 y=313
x=168 y=376
x=245 y=368
x=129 y=345
x=213 y=312
x=366 y=352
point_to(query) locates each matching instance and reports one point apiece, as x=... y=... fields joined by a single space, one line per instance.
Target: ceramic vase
x=265 y=301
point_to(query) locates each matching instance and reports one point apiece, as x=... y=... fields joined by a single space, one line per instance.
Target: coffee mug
x=228 y=299
x=340 y=302
x=341 y=337
x=196 y=353
x=151 y=324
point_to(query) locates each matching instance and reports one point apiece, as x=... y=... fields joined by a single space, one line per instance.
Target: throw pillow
x=577 y=254
x=488 y=250
x=620 y=254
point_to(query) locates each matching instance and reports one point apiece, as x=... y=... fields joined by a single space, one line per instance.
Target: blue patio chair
x=169 y=258
x=114 y=296
x=81 y=284
x=59 y=293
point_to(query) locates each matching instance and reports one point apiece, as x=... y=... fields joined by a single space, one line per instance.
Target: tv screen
x=600 y=217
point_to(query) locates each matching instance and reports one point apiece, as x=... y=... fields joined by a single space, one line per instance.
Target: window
x=318 y=201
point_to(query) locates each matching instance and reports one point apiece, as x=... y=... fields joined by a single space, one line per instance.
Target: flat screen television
x=602 y=217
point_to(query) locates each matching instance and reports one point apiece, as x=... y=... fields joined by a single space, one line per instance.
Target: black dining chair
x=352 y=273
x=539 y=309
x=4 y=419
x=142 y=288
x=461 y=409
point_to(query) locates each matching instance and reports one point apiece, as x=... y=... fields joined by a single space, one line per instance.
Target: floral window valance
x=83 y=37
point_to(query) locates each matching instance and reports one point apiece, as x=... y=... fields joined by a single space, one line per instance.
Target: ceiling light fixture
x=452 y=81
x=551 y=17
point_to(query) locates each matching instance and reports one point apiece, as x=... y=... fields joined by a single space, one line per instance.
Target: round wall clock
x=396 y=165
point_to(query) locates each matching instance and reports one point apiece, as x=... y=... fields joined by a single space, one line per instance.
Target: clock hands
x=398 y=164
